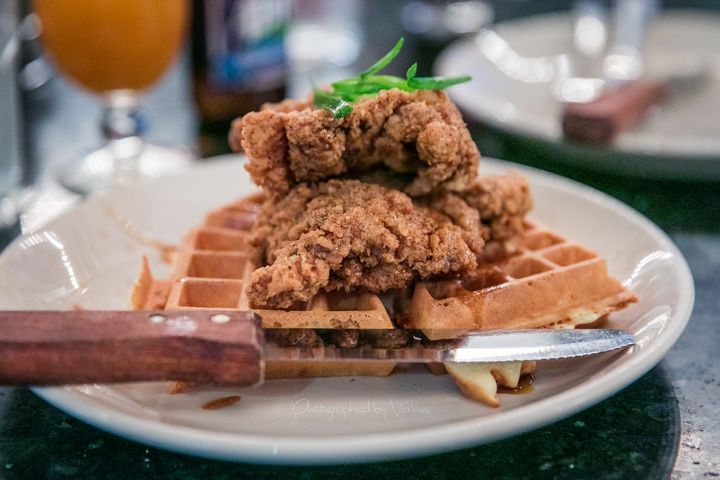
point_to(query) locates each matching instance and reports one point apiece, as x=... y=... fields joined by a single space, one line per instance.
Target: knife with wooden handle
x=229 y=348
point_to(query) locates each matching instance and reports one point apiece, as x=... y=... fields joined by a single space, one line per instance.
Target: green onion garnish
x=369 y=83
x=337 y=105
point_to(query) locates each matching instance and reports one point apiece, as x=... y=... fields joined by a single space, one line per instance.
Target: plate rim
x=404 y=443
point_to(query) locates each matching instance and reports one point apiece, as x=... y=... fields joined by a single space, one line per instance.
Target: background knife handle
x=51 y=348
x=613 y=112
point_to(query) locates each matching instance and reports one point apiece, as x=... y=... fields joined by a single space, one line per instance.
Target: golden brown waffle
x=548 y=282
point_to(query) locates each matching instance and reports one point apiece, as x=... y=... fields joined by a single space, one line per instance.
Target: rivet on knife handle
x=54 y=348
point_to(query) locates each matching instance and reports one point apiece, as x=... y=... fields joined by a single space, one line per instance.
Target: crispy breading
x=420 y=132
x=269 y=142
x=502 y=202
x=465 y=217
x=345 y=235
x=493 y=207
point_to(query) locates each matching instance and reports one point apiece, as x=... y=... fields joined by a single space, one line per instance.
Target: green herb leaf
x=385 y=60
x=436 y=83
x=368 y=83
x=335 y=104
x=372 y=84
x=386 y=82
x=411 y=72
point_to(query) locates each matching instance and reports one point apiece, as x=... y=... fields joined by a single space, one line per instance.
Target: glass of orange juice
x=116 y=49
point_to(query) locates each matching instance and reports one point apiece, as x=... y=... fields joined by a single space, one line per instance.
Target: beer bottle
x=239 y=62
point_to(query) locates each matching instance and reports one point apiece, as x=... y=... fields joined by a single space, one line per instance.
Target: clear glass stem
x=125 y=157
x=122 y=127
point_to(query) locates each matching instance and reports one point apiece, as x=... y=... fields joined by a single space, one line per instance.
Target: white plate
x=87 y=257
x=678 y=138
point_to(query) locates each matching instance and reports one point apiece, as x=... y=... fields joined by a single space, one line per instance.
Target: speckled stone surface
x=694 y=363
x=631 y=435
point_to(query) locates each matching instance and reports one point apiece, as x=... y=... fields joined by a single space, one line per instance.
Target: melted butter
x=524 y=386
x=463 y=293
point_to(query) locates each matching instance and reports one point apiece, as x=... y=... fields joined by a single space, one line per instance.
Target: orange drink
x=113 y=44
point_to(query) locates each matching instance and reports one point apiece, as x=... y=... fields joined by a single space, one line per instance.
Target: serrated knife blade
x=473 y=346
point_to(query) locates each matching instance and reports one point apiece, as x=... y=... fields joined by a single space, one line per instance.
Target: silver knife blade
x=475 y=346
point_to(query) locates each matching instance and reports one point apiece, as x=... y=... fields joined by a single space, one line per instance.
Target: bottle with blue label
x=239 y=59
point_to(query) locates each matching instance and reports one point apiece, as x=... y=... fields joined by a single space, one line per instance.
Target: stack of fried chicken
x=372 y=202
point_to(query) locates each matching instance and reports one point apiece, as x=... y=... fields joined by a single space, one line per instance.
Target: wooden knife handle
x=55 y=348
x=613 y=112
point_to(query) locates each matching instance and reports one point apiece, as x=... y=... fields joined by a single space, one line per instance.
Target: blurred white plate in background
x=679 y=138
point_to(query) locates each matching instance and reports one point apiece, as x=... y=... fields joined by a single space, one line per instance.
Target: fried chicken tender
x=490 y=212
x=348 y=236
x=502 y=202
x=345 y=235
x=420 y=133
x=499 y=201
